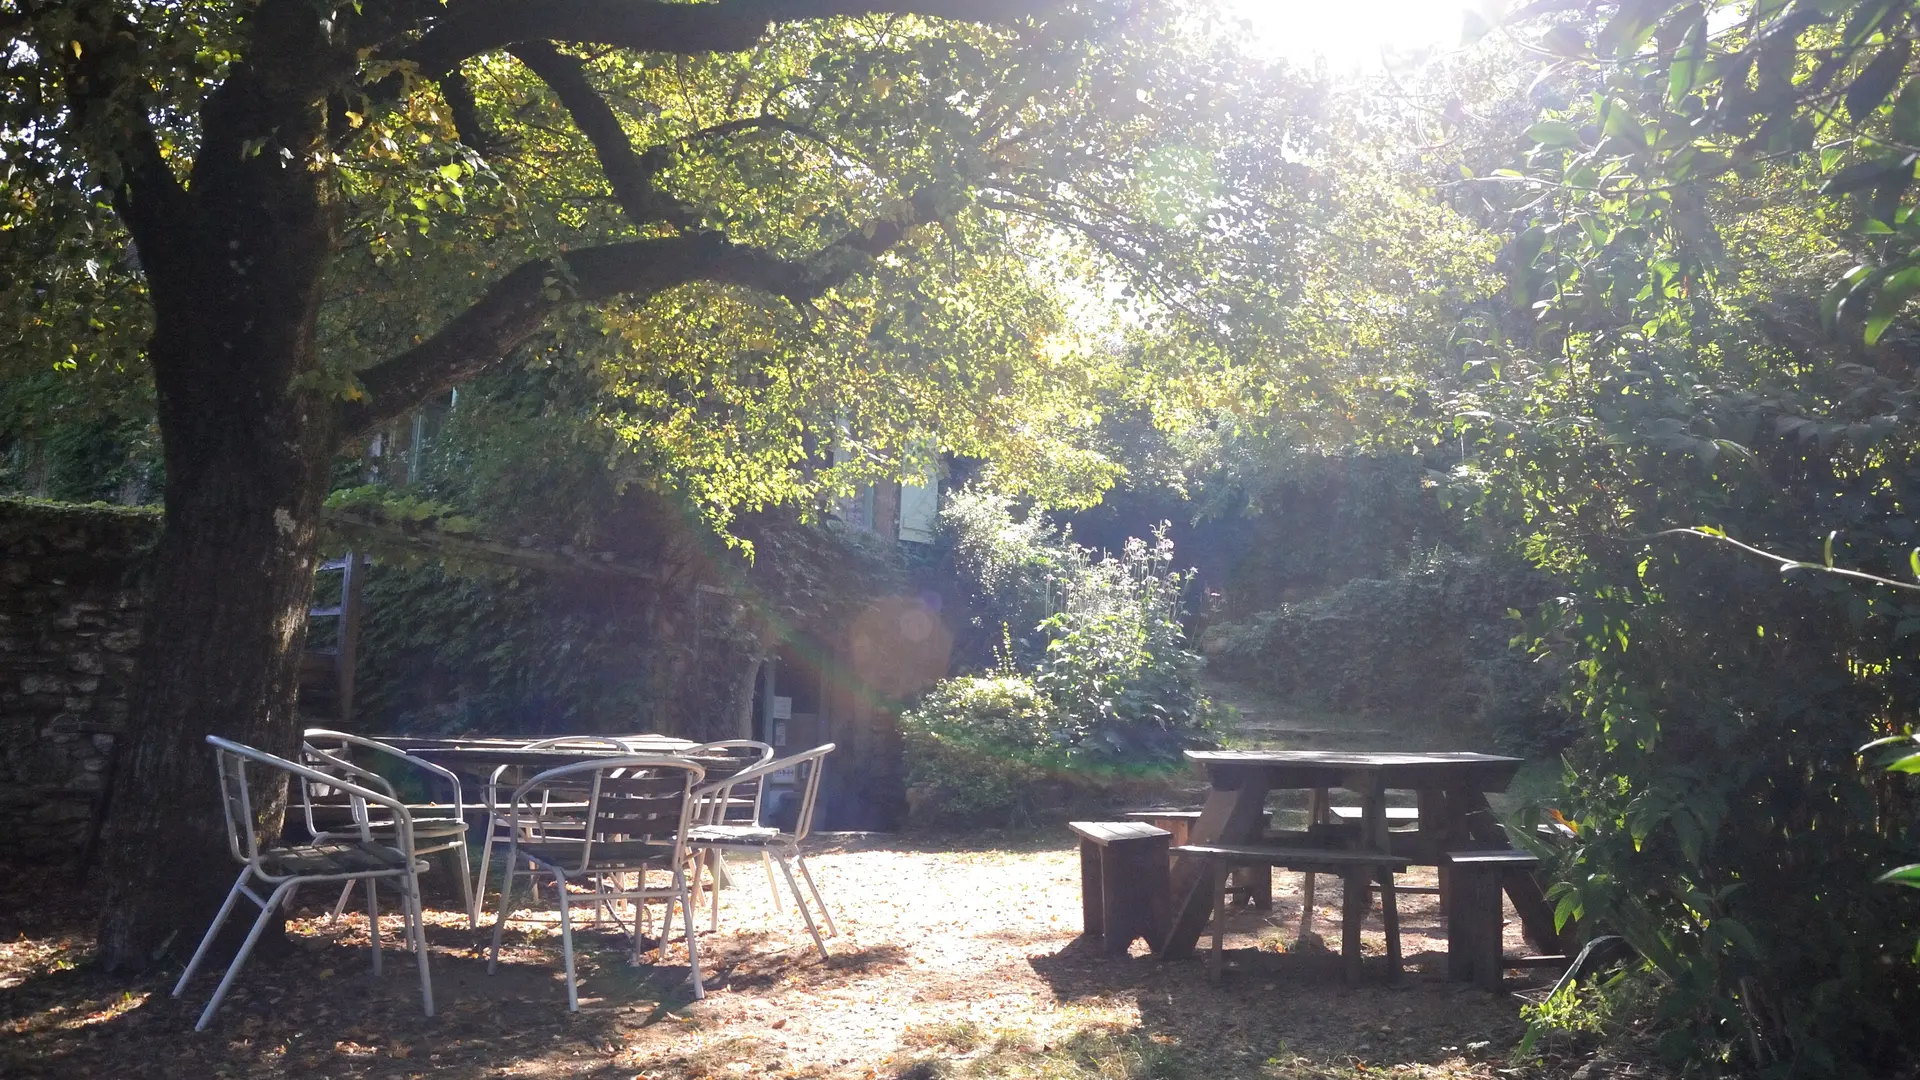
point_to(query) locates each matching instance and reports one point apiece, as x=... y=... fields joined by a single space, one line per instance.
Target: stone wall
x=70 y=597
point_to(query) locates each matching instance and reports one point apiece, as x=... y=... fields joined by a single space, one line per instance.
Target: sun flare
x=1355 y=35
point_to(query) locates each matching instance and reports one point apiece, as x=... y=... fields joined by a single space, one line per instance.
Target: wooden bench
x=1475 y=882
x=1358 y=869
x=1253 y=884
x=1125 y=889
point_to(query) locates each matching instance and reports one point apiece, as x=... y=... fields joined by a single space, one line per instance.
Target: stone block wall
x=71 y=592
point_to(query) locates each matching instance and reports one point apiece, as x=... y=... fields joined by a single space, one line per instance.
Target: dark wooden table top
x=1351 y=768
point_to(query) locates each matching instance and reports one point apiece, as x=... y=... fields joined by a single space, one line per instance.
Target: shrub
x=1117 y=667
x=975 y=747
x=1112 y=692
x=1012 y=568
x=1434 y=638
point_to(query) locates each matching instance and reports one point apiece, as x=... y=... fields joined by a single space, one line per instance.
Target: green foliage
x=1289 y=522
x=505 y=654
x=79 y=442
x=1012 y=566
x=1112 y=691
x=1674 y=103
x=1903 y=761
x=1572 y=1022
x=1117 y=666
x=978 y=748
x=1434 y=639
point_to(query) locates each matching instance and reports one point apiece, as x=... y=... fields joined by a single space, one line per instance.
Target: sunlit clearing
x=1352 y=35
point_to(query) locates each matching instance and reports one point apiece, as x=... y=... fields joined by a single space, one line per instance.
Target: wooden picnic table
x=1450 y=790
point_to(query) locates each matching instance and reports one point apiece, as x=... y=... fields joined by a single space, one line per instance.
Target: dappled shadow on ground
x=1284 y=1008
x=951 y=963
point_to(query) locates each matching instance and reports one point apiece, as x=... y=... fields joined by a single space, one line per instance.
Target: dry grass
x=950 y=963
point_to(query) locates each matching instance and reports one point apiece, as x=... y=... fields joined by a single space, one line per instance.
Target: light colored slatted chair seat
x=341 y=857
x=735 y=835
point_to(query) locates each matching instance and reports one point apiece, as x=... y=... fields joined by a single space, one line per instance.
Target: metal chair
x=739 y=806
x=285 y=868
x=635 y=813
x=782 y=847
x=437 y=826
x=499 y=831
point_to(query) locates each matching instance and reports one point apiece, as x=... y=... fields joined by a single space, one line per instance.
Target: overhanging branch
x=628 y=172
x=518 y=304
x=107 y=114
x=482 y=26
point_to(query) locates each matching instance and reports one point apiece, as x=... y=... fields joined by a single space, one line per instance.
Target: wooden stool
x=1475 y=882
x=1358 y=869
x=1125 y=889
x=1254 y=884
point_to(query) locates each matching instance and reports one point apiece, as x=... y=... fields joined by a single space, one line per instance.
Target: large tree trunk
x=247 y=433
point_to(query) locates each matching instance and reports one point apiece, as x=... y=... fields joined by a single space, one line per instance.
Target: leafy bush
x=1012 y=568
x=1117 y=667
x=1113 y=691
x=974 y=746
x=1434 y=638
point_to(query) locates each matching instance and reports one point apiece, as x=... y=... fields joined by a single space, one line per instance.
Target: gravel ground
x=952 y=959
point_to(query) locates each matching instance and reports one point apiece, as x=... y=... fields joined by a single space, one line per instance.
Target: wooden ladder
x=326 y=674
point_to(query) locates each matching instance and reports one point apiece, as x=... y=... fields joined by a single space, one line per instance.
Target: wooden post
x=1092 y=912
x=1390 y=915
x=1356 y=898
x=1316 y=815
x=1231 y=815
x=1217 y=880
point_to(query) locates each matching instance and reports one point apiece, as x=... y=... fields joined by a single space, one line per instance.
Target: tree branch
x=519 y=303
x=629 y=172
x=107 y=114
x=1786 y=565
x=465 y=112
x=763 y=122
x=481 y=26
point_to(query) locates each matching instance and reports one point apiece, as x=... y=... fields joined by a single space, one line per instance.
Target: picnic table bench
x=1451 y=815
x=1360 y=870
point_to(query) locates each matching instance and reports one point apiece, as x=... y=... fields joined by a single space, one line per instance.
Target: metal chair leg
x=373 y=923
x=804 y=913
x=479 y=894
x=693 y=947
x=466 y=886
x=226 y=909
x=340 y=905
x=500 y=922
x=240 y=958
x=566 y=942
x=713 y=925
x=699 y=861
x=773 y=890
x=801 y=862
x=417 y=916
